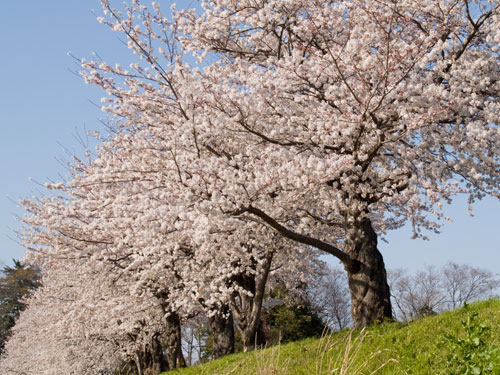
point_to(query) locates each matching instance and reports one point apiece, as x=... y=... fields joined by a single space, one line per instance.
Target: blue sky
x=45 y=108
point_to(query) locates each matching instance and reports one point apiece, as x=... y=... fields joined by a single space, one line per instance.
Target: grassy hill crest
x=464 y=341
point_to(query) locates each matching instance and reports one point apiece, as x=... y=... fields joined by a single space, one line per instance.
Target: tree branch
x=301 y=238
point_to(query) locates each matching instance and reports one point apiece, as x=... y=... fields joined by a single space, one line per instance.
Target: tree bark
x=150 y=360
x=158 y=362
x=253 y=337
x=138 y=363
x=222 y=328
x=247 y=308
x=175 y=358
x=370 y=295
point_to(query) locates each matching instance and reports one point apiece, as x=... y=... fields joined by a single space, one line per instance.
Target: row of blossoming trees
x=243 y=140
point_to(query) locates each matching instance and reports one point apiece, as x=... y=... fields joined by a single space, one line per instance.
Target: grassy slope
x=401 y=348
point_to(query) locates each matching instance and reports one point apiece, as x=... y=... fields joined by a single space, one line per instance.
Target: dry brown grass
x=332 y=361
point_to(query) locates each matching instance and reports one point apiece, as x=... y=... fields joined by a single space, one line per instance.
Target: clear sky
x=45 y=109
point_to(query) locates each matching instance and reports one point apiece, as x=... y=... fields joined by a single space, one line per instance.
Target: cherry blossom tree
x=75 y=325
x=85 y=222
x=122 y=213
x=335 y=113
x=319 y=120
x=160 y=145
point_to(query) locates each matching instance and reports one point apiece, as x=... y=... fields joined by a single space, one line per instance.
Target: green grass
x=412 y=348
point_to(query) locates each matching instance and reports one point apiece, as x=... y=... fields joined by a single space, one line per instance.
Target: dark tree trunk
x=138 y=363
x=253 y=337
x=175 y=358
x=158 y=362
x=247 y=308
x=222 y=328
x=151 y=361
x=260 y=338
x=370 y=295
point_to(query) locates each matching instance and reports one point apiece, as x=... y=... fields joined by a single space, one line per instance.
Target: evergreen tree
x=289 y=317
x=15 y=285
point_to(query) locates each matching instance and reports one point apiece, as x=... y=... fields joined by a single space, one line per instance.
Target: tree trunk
x=158 y=363
x=222 y=328
x=254 y=337
x=138 y=363
x=247 y=308
x=175 y=358
x=151 y=361
x=370 y=295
